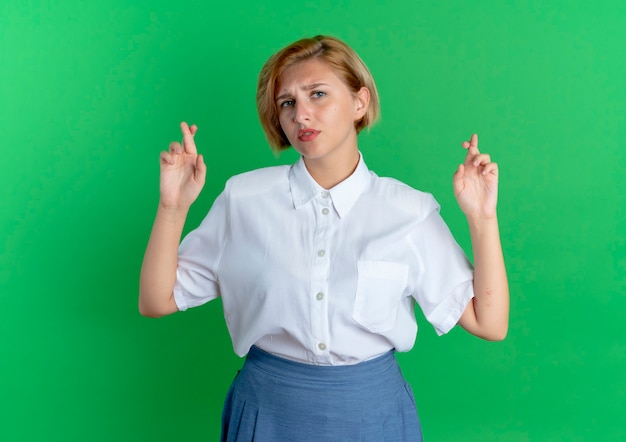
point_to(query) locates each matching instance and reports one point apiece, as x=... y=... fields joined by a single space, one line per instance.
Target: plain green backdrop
x=91 y=92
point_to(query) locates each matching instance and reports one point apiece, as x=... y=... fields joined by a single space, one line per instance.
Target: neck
x=328 y=172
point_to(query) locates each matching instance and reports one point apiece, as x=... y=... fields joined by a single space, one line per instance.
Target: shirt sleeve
x=445 y=282
x=199 y=257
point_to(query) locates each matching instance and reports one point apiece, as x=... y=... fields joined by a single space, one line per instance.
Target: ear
x=361 y=103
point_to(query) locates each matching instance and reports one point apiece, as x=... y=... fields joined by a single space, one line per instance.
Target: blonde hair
x=344 y=61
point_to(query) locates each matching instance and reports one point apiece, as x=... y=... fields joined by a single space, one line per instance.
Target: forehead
x=304 y=73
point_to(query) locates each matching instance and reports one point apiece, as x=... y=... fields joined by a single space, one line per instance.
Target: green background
x=91 y=92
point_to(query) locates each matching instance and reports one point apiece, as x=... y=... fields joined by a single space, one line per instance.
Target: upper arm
x=468 y=319
x=470 y=322
x=164 y=310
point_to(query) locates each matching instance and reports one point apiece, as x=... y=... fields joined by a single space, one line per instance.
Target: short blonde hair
x=344 y=61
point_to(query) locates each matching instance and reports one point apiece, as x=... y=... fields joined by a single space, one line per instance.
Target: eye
x=318 y=94
x=287 y=103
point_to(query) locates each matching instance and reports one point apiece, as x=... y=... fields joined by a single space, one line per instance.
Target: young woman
x=319 y=265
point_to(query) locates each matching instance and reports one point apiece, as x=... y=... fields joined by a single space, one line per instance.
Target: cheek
x=282 y=120
x=284 y=123
x=331 y=113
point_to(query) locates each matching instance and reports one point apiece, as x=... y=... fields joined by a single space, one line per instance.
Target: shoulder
x=398 y=191
x=257 y=181
x=403 y=197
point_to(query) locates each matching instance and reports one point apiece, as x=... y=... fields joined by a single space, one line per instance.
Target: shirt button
x=325 y=194
x=321 y=253
x=319 y=296
x=321 y=346
x=325 y=211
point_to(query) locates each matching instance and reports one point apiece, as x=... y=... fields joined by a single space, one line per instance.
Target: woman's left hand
x=476 y=183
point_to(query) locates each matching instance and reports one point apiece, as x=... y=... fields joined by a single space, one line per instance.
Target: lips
x=307 y=134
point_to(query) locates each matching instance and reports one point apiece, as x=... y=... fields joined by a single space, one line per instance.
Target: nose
x=302 y=112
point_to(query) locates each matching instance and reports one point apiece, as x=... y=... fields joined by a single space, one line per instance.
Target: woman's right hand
x=183 y=172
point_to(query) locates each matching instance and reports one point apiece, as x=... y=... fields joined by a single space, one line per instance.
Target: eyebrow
x=308 y=87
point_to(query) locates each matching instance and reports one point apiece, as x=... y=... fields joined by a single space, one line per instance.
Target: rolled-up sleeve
x=444 y=284
x=199 y=257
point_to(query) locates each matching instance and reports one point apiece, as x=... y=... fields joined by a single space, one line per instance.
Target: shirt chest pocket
x=380 y=287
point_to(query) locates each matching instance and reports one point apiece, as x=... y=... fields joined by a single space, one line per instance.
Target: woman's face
x=317 y=111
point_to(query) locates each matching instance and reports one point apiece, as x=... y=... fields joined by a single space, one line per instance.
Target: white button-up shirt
x=321 y=276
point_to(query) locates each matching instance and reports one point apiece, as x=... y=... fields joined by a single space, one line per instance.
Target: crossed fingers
x=187 y=145
x=481 y=161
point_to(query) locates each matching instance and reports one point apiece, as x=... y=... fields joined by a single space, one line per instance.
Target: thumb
x=200 y=172
x=457 y=179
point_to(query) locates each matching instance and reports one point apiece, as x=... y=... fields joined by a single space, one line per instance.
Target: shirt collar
x=304 y=188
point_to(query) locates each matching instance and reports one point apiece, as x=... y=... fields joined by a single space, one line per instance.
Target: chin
x=310 y=153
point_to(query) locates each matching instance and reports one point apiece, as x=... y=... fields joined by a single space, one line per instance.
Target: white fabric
x=324 y=277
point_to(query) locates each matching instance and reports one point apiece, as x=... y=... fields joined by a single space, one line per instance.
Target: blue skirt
x=274 y=399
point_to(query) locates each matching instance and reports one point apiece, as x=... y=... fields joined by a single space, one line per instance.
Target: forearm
x=158 y=271
x=491 y=290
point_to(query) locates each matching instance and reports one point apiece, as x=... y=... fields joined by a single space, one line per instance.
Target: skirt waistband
x=361 y=372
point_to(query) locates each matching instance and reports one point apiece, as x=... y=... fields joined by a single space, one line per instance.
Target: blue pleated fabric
x=274 y=399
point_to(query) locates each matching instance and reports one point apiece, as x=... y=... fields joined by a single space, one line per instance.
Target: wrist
x=172 y=213
x=481 y=223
